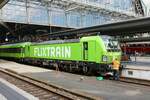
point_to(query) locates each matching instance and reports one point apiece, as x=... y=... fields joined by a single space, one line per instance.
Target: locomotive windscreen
x=111 y=44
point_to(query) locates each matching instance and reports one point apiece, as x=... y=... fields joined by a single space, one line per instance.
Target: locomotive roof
x=16 y=44
x=57 y=41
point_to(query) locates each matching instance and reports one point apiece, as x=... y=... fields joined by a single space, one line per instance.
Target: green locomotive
x=88 y=54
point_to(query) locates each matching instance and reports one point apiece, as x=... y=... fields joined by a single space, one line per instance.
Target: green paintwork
x=97 y=49
x=42 y=51
x=15 y=55
x=66 y=51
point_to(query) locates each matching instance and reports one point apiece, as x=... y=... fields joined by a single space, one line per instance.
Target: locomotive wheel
x=67 y=68
x=86 y=70
x=64 y=67
x=70 y=68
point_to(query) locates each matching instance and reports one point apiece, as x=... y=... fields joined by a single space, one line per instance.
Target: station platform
x=9 y=91
x=107 y=89
x=138 y=68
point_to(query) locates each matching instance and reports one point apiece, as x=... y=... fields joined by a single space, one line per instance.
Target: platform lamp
x=6 y=39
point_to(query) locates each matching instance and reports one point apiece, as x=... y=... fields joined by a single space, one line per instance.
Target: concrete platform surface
x=109 y=90
x=139 y=63
x=139 y=69
x=9 y=91
x=141 y=59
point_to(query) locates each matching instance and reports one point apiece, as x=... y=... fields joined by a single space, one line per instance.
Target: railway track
x=135 y=81
x=42 y=90
x=49 y=92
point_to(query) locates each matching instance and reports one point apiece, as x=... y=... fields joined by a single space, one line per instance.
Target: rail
x=57 y=90
x=135 y=81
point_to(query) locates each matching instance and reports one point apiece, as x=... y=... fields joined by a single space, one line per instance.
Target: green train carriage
x=17 y=50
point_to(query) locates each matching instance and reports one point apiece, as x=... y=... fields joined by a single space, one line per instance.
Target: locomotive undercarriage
x=86 y=68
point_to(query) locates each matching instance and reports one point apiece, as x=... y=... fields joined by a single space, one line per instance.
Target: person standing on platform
x=115 y=67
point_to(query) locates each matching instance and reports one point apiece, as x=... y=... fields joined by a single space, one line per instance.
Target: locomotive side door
x=85 y=50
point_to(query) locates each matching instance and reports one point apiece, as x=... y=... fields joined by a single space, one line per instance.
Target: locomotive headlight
x=104 y=58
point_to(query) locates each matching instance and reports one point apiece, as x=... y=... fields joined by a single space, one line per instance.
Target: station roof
x=3 y=2
x=128 y=27
x=13 y=30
